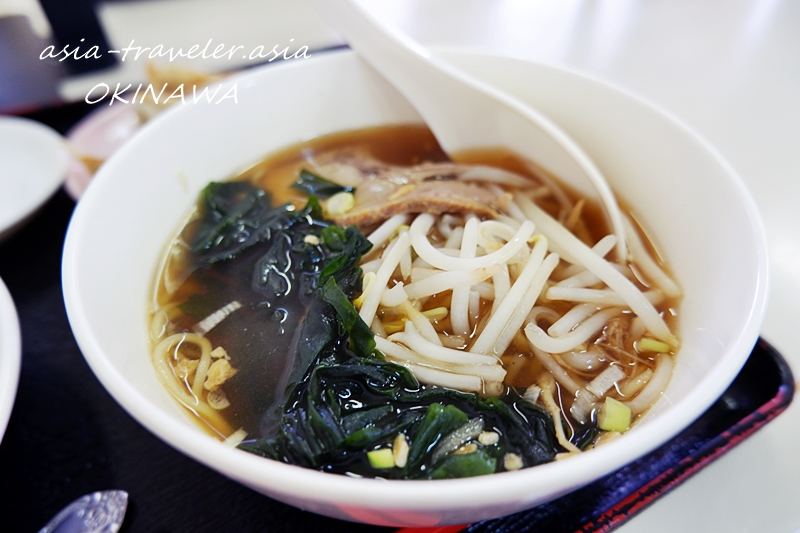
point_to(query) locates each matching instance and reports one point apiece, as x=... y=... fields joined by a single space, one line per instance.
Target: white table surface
x=729 y=68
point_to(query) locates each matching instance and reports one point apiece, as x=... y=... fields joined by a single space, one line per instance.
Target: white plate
x=33 y=163
x=10 y=356
x=98 y=135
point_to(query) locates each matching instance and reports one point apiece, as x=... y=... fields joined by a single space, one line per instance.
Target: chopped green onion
x=614 y=416
x=652 y=345
x=382 y=459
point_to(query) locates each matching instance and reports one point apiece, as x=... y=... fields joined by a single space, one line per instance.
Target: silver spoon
x=464 y=112
x=98 y=512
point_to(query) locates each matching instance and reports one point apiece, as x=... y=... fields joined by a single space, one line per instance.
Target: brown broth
x=400 y=145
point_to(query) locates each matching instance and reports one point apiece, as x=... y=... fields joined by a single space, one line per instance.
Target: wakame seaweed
x=270 y=260
x=348 y=406
x=313 y=185
x=236 y=215
x=337 y=399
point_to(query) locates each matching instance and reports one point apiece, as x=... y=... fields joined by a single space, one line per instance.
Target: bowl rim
x=299 y=483
x=10 y=356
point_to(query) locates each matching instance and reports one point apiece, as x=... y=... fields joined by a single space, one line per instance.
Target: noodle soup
x=359 y=304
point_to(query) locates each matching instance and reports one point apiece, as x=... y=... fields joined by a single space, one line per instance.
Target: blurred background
x=29 y=27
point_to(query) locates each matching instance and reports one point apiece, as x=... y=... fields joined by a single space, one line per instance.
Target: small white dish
x=98 y=135
x=10 y=356
x=33 y=163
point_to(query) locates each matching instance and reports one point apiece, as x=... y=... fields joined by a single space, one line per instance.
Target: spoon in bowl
x=464 y=112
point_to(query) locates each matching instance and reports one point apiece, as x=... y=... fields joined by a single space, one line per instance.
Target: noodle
x=385 y=271
x=423 y=223
x=546 y=395
x=392 y=297
x=571 y=340
x=401 y=353
x=439 y=281
x=446 y=379
x=422 y=324
x=385 y=231
x=411 y=338
x=634 y=298
x=645 y=262
x=526 y=303
x=556 y=370
x=488 y=337
x=602 y=248
x=571 y=319
x=190 y=399
x=605 y=297
x=582 y=361
x=459 y=304
x=501 y=283
x=656 y=385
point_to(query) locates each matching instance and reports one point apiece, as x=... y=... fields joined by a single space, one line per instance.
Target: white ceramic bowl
x=10 y=356
x=686 y=195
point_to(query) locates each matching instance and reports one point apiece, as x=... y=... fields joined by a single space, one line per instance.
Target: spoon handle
x=98 y=512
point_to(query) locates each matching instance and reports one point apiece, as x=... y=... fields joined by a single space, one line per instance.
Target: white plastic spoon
x=464 y=112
